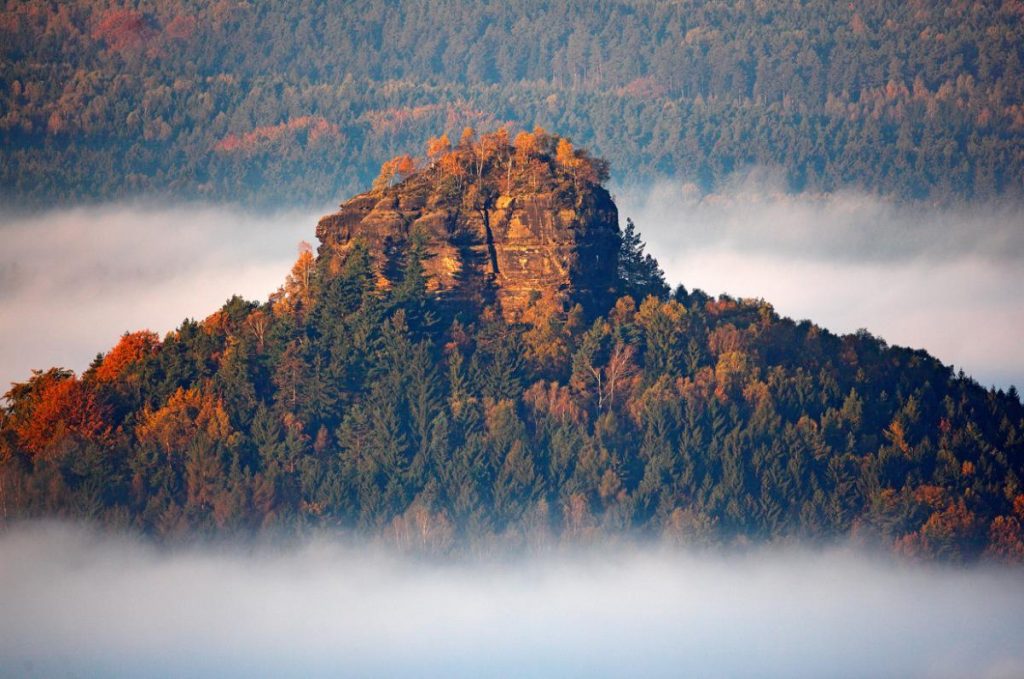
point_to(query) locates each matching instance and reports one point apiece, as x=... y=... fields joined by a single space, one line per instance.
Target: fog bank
x=72 y=281
x=75 y=602
x=949 y=281
x=945 y=280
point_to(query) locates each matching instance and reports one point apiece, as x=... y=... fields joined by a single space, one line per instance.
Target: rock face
x=507 y=237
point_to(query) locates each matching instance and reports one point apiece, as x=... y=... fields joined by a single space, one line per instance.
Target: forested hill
x=280 y=102
x=364 y=396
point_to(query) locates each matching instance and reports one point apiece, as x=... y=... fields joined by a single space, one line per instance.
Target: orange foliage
x=897 y=436
x=123 y=29
x=931 y=496
x=944 y=534
x=645 y=88
x=1006 y=539
x=398 y=168
x=653 y=311
x=494 y=144
x=725 y=339
x=565 y=154
x=720 y=306
x=730 y=373
x=699 y=390
x=181 y=27
x=1018 y=506
x=565 y=157
x=132 y=348
x=298 y=287
x=857 y=25
x=757 y=393
x=525 y=145
x=623 y=312
x=185 y=415
x=555 y=400
x=58 y=405
x=318 y=130
x=438 y=147
x=451 y=166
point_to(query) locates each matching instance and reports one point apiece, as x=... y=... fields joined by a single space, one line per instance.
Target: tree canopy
x=302 y=101
x=343 y=405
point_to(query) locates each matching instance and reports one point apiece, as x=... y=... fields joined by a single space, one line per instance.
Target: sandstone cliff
x=499 y=222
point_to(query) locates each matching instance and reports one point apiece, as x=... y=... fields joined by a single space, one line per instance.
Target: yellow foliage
x=297 y=290
x=187 y=414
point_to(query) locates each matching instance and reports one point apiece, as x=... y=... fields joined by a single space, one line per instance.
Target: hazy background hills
x=764 y=149
x=299 y=102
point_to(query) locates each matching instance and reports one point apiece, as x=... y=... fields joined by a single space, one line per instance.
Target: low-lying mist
x=79 y=603
x=72 y=281
x=947 y=280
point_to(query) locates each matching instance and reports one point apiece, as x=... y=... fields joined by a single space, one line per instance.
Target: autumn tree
x=437 y=148
x=297 y=291
x=525 y=145
x=450 y=168
x=51 y=406
x=396 y=169
x=566 y=158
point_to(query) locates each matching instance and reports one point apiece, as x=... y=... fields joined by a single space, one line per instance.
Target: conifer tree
x=639 y=272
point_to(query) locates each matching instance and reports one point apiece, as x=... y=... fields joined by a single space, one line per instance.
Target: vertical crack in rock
x=491 y=239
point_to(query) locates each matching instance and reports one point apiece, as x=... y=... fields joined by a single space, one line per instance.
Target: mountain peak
x=497 y=220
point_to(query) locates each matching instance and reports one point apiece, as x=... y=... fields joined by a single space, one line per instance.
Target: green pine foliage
x=685 y=418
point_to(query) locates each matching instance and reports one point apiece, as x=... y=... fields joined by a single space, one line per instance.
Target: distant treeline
x=270 y=102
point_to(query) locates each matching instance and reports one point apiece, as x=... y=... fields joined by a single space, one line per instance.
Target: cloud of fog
x=78 y=603
x=72 y=281
x=946 y=280
x=949 y=281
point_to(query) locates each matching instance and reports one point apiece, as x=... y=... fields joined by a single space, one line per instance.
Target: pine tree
x=639 y=273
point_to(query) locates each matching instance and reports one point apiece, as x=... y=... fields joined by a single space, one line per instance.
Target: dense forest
x=276 y=102
x=346 y=404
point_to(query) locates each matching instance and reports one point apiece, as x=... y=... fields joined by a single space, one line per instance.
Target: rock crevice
x=511 y=236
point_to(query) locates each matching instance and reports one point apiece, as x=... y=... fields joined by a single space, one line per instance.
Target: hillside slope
x=301 y=101
x=364 y=396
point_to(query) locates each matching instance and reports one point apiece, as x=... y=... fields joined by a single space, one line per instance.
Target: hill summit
x=496 y=221
x=480 y=356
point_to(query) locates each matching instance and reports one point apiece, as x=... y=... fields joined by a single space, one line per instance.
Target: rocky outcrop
x=508 y=235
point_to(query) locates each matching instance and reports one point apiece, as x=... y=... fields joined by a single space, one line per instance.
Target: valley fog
x=947 y=280
x=83 y=604
x=73 y=281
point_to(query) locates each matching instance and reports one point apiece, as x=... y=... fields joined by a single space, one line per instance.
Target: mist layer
x=77 y=602
x=946 y=280
x=942 y=279
x=73 y=281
